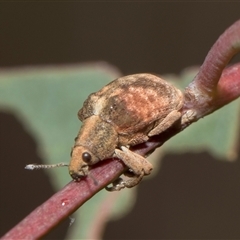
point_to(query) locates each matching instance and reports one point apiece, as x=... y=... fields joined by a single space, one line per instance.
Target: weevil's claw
x=117 y=185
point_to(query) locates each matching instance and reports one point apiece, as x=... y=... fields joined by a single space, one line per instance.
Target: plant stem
x=205 y=94
x=204 y=89
x=65 y=202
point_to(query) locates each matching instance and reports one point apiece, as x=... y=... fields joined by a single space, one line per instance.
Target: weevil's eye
x=86 y=157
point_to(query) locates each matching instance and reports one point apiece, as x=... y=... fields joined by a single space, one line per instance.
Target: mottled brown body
x=125 y=112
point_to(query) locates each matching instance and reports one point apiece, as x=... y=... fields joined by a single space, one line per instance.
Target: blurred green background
x=196 y=195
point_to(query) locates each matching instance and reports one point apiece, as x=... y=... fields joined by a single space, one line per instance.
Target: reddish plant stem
x=220 y=54
x=65 y=202
x=202 y=91
x=73 y=195
x=228 y=88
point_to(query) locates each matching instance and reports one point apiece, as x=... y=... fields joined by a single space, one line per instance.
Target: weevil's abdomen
x=139 y=101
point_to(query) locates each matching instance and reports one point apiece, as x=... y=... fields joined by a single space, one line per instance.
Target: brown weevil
x=124 y=113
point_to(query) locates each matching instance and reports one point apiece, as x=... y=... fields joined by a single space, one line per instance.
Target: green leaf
x=46 y=100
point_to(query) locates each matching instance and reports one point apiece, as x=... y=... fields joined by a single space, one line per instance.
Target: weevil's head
x=96 y=141
x=81 y=159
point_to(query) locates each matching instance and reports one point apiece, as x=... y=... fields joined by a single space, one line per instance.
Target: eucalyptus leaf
x=46 y=101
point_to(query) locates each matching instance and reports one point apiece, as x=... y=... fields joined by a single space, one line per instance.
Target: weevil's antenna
x=35 y=166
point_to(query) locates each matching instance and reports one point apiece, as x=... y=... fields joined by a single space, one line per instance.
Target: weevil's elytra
x=125 y=112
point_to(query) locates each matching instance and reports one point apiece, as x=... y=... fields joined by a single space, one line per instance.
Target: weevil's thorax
x=98 y=136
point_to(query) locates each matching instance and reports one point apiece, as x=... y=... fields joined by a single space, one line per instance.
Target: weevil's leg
x=138 y=164
x=166 y=123
x=117 y=185
x=120 y=183
x=134 y=161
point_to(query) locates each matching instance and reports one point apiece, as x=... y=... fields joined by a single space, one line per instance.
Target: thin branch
x=227 y=45
x=73 y=195
x=204 y=90
x=228 y=88
x=65 y=202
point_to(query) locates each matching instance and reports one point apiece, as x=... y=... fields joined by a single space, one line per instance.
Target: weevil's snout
x=81 y=159
x=75 y=176
x=78 y=172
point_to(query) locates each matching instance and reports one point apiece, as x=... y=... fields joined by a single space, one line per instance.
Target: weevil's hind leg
x=166 y=123
x=138 y=164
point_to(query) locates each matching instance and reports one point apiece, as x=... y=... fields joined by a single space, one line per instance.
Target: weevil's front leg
x=139 y=165
x=166 y=123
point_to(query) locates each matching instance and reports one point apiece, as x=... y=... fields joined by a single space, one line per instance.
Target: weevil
x=126 y=112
